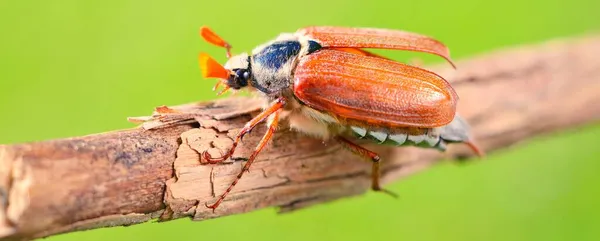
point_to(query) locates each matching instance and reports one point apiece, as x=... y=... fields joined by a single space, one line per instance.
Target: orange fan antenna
x=211 y=68
x=211 y=37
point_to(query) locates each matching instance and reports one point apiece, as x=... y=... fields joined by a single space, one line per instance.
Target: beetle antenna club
x=213 y=38
x=323 y=81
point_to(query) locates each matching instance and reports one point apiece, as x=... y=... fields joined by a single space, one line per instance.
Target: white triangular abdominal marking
x=455 y=131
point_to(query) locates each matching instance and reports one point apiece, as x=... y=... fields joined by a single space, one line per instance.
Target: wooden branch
x=132 y=176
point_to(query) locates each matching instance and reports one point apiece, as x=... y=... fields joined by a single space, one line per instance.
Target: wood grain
x=154 y=171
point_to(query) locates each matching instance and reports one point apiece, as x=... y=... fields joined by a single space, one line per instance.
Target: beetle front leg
x=273 y=122
x=279 y=103
x=371 y=156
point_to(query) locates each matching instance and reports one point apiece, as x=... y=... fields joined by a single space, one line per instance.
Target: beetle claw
x=212 y=160
x=244 y=134
x=213 y=207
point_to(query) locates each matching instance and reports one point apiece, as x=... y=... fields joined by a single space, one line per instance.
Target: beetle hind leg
x=371 y=156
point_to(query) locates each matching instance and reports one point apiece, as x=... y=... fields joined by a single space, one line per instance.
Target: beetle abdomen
x=456 y=131
x=428 y=139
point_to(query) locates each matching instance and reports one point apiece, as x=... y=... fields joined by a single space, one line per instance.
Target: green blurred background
x=77 y=67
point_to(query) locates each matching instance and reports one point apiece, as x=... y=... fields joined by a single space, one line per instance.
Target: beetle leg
x=273 y=122
x=373 y=157
x=279 y=103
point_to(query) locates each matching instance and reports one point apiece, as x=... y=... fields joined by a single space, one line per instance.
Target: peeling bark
x=155 y=171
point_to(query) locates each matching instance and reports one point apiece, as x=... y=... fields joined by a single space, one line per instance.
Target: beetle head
x=235 y=74
x=239 y=67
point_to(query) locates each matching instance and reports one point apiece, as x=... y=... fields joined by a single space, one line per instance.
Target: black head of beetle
x=240 y=71
x=238 y=78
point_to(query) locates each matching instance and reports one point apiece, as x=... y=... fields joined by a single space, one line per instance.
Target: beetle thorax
x=272 y=81
x=273 y=66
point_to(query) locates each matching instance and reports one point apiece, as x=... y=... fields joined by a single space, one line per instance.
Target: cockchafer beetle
x=327 y=86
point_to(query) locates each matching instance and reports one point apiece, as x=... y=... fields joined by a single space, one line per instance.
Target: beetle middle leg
x=373 y=157
x=279 y=103
x=273 y=122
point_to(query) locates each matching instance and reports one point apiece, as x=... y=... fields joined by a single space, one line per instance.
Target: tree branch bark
x=155 y=171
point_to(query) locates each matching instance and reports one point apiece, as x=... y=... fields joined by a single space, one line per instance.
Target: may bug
x=328 y=87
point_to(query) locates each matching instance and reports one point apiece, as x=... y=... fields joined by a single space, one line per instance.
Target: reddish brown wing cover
x=373 y=91
x=345 y=37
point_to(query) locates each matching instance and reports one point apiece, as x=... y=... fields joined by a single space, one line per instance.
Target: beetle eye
x=242 y=76
x=241 y=73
